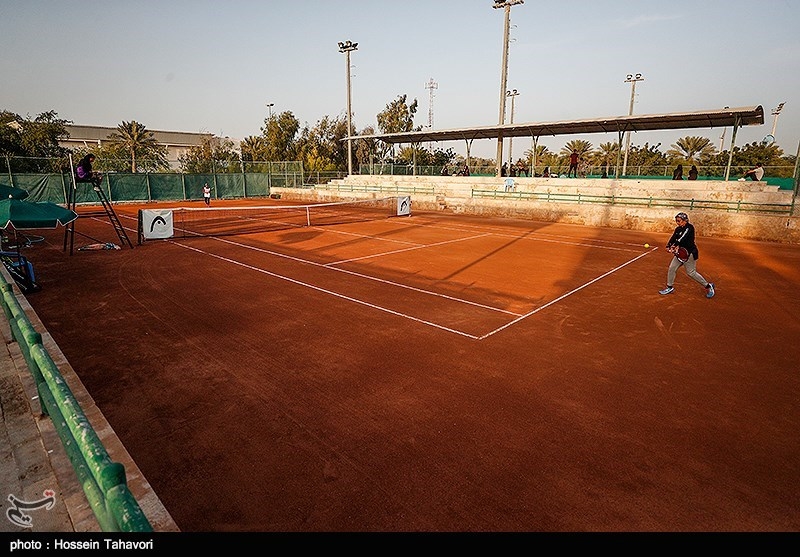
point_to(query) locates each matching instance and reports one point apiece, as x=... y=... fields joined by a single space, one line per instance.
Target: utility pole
x=632 y=79
x=347 y=47
x=431 y=85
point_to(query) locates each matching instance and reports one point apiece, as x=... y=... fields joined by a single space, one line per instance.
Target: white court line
x=361 y=275
x=571 y=292
x=332 y=293
x=442 y=327
x=369 y=277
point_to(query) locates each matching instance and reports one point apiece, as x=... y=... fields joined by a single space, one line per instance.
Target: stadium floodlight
x=347 y=47
x=269 y=107
x=776 y=112
x=506 y=5
x=632 y=79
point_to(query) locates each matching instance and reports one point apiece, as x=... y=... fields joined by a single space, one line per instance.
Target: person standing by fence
x=573 y=164
x=207 y=194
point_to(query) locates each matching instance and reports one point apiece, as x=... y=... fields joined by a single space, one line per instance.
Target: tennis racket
x=680 y=253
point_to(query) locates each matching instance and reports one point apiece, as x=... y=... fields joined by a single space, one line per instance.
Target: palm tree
x=535 y=159
x=692 y=149
x=606 y=155
x=135 y=140
x=583 y=147
x=254 y=148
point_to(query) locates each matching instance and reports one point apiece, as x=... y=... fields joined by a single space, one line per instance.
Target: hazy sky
x=213 y=66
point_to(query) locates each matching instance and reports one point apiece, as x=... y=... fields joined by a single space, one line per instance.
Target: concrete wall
x=454 y=194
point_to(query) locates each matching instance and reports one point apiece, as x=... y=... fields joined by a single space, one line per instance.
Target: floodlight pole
x=632 y=79
x=347 y=47
x=776 y=112
x=513 y=93
x=269 y=107
x=506 y=5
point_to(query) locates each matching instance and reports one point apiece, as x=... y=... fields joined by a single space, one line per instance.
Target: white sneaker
x=668 y=290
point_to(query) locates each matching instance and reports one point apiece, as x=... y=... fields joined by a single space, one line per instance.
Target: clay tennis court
x=440 y=373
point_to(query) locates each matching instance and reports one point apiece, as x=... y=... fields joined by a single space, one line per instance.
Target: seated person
x=693 y=173
x=677 y=174
x=85 y=174
x=756 y=173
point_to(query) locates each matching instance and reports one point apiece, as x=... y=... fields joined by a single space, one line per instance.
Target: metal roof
x=746 y=116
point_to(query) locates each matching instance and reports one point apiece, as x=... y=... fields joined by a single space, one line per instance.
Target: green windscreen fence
x=153 y=186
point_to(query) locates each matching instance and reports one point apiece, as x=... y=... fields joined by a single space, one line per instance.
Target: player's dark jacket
x=684 y=237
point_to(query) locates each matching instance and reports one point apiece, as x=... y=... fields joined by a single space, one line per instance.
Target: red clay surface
x=440 y=373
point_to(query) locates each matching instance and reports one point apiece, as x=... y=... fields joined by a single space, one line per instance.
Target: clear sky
x=213 y=66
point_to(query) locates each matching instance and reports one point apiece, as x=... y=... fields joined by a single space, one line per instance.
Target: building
x=177 y=143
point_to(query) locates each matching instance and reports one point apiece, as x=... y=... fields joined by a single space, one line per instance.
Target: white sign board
x=404 y=205
x=157 y=224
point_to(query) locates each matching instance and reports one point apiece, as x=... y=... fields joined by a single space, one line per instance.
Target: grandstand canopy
x=737 y=117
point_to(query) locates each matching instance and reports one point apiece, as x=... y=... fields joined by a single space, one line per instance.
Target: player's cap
x=682 y=216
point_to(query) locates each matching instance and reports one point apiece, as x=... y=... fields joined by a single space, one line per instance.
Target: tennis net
x=223 y=221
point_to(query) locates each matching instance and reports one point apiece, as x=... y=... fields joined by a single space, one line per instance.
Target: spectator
x=677 y=174
x=693 y=173
x=756 y=173
x=546 y=172
x=573 y=163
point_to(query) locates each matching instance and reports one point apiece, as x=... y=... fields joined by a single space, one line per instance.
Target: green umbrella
x=26 y=214
x=12 y=192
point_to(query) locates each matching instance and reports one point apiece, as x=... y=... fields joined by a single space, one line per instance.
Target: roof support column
x=534 y=142
x=737 y=122
x=620 y=133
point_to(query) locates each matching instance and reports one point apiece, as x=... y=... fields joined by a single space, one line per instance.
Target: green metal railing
x=649 y=202
x=377 y=188
x=104 y=482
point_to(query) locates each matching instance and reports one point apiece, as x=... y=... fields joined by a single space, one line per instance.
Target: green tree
x=649 y=160
x=691 y=150
x=254 y=148
x=606 y=155
x=583 y=147
x=281 y=135
x=748 y=155
x=34 y=143
x=398 y=116
x=322 y=148
x=139 y=145
x=541 y=151
x=213 y=155
x=365 y=150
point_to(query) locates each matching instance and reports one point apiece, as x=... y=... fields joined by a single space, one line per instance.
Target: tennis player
x=683 y=237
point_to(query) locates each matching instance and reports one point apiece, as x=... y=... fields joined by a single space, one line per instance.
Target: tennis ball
x=647 y=245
